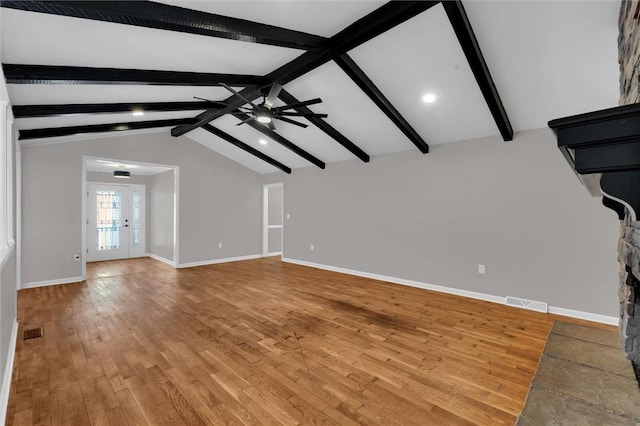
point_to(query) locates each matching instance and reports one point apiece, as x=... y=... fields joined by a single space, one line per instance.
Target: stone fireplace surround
x=603 y=147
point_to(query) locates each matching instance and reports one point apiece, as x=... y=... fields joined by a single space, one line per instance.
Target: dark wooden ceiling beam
x=462 y=27
x=99 y=128
x=370 y=89
x=280 y=139
x=251 y=150
x=55 y=74
x=321 y=124
x=29 y=111
x=377 y=22
x=173 y=18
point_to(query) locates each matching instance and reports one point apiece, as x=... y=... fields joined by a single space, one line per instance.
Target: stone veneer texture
x=629 y=51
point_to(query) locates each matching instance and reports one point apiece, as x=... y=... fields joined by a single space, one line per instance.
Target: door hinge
x=87 y=251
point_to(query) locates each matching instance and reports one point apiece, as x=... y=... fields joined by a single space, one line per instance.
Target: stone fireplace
x=603 y=147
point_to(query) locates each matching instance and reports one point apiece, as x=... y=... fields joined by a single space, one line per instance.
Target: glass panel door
x=115 y=221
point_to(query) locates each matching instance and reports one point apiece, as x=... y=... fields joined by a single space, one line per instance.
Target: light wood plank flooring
x=264 y=342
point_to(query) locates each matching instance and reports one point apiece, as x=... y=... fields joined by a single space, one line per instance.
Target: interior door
x=115 y=221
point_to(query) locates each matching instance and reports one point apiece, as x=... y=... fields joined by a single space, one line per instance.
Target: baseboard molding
x=69 y=280
x=8 y=371
x=402 y=281
x=214 y=261
x=604 y=319
x=161 y=259
x=275 y=253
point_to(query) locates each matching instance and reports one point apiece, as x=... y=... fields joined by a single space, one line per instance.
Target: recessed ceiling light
x=138 y=112
x=263 y=142
x=429 y=98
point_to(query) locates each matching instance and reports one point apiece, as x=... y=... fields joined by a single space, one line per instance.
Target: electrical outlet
x=219 y=245
x=481 y=269
x=288 y=215
x=311 y=247
x=76 y=257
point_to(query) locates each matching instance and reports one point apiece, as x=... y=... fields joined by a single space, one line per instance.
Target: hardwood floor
x=265 y=342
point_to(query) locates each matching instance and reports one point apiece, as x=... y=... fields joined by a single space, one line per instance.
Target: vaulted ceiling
x=79 y=69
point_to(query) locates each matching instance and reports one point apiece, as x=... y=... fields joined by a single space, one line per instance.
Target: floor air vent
x=532 y=305
x=32 y=333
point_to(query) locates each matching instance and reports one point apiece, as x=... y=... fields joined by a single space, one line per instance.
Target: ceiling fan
x=265 y=112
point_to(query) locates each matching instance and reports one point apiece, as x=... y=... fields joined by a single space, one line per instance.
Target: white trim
x=8 y=370
x=215 y=261
x=274 y=226
x=18 y=217
x=458 y=292
x=275 y=253
x=70 y=280
x=161 y=259
x=5 y=253
x=176 y=215
x=604 y=319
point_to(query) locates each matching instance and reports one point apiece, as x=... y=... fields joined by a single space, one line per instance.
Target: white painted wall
x=516 y=207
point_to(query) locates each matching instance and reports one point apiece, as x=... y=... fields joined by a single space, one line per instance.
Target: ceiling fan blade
x=302 y=114
x=237 y=94
x=245 y=121
x=298 y=104
x=273 y=95
x=287 y=120
x=217 y=103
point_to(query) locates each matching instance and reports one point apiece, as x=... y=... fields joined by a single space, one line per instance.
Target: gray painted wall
x=516 y=207
x=219 y=200
x=160 y=227
x=133 y=180
x=8 y=286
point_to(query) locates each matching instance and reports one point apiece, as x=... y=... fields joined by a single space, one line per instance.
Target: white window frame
x=7 y=239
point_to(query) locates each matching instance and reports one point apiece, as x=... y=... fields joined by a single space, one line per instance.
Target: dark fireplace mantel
x=603 y=147
x=606 y=142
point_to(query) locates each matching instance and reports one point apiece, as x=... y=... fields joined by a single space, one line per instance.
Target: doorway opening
x=128 y=217
x=272 y=224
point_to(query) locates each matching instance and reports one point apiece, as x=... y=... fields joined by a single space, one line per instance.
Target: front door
x=115 y=221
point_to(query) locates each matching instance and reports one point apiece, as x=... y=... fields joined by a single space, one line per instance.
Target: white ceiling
x=109 y=166
x=548 y=60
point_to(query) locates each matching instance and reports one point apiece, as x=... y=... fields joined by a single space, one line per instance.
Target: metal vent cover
x=33 y=333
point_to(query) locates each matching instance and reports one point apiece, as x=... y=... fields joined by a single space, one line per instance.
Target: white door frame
x=265 y=220
x=176 y=210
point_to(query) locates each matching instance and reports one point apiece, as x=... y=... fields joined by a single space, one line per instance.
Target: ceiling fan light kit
x=122 y=174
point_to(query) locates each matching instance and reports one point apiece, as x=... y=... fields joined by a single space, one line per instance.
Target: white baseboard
x=69 y=280
x=275 y=253
x=161 y=259
x=604 y=319
x=214 y=261
x=8 y=370
x=455 y=291
x=410 y=283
